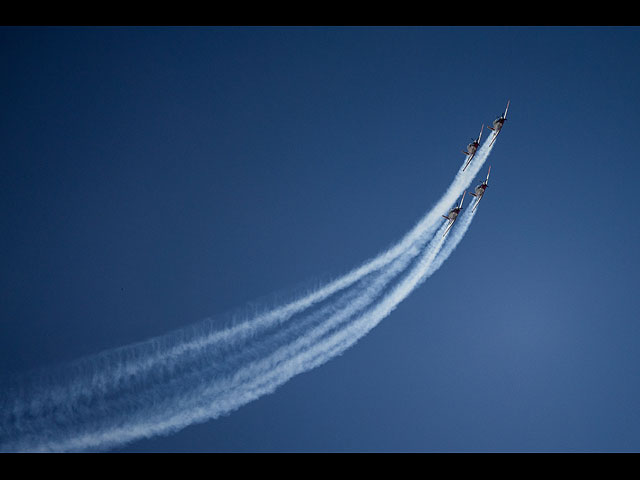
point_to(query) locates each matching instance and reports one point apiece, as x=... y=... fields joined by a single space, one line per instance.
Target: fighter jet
x=480 y=189
x=498 y=123
x=453 y=214
x=471 y=149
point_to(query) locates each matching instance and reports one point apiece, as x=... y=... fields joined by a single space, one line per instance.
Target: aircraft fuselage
x=480 y=190
x=453 y=214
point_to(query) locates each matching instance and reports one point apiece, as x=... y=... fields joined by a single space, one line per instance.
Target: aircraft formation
x=496 y=127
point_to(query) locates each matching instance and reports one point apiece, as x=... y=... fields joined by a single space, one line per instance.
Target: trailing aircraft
x=453 y=215
x=471 y=149
x=480 y=189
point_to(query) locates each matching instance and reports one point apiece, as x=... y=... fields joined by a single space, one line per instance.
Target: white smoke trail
x=167 y=383
x=221 y=392
x=108 y=371
x=264 y=376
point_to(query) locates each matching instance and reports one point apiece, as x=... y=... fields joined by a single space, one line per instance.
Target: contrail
x=153 y=405
x=199 y=373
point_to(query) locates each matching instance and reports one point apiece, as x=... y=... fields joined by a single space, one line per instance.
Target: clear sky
x=153 y=177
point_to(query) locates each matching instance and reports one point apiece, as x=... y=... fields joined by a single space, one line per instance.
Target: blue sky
x=153 y=177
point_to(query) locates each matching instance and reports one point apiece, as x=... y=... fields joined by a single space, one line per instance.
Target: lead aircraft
x=498 y=123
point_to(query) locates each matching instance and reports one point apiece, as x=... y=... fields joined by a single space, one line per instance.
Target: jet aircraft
x=471 y=149
x=480 y=189
x=498 y=123
x=453 y=215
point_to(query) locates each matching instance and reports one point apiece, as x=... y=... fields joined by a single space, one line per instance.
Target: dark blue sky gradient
x=153 y=177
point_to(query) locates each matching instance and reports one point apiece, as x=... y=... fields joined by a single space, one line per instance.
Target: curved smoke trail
x=205 y=384
x=199 y=373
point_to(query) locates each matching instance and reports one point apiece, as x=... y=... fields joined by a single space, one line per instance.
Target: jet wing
x=477 y=202
x=495 y=135
x=468 y=161
x=451 y=222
